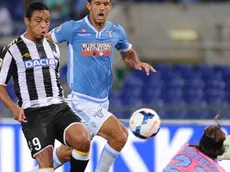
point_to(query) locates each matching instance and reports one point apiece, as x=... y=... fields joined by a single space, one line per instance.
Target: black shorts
x=45 y=124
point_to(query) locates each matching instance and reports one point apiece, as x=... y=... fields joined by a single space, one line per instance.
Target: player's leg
x=95 y=116
x=74 y=134
x=116 y=135
x=116 y=141
x=61 y=155
x=45 y=159
x=80 y=153
x=101 y=122
x=40 y=137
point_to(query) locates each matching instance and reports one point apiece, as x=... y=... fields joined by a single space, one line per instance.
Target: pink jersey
x=189 y=159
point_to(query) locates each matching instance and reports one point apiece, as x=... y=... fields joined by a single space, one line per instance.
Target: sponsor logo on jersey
x=109 y=32
x=96 y=49
x=26 y=55
x=40 y=62
x=84 y=33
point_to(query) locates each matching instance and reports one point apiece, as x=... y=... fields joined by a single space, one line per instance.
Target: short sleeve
x=123 y=45
x=6 y=66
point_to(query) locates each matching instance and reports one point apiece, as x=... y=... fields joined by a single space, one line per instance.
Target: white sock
x=107 y=158
x=78 y=155
x=46 y=170
x=36 y=168
x=56 y=162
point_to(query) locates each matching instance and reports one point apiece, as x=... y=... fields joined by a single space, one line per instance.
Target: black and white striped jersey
x=35 y=71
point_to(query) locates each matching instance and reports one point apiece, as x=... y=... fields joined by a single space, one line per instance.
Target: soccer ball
x=145 y=123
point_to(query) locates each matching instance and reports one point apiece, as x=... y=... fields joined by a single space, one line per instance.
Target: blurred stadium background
x=188 y=43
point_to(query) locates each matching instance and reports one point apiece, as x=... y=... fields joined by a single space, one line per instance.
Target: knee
x=86 y=142
x=122 y=137
x=82 y=142
x=45 y=158
x=78 y=137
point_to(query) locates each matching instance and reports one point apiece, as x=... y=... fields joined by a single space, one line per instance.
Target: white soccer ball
x=145 y=123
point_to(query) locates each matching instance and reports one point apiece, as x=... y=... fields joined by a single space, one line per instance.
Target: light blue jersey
x=90 y=55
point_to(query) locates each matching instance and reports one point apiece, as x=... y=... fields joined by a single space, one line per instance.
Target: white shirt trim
x=53 y=36
x=98 y=34
x=126 y=49
x=71 y=65
x=89 y=97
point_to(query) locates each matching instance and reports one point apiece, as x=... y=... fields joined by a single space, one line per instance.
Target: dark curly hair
x=211 y=143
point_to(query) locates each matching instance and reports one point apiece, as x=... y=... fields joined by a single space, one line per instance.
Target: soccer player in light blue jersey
x=91 y=43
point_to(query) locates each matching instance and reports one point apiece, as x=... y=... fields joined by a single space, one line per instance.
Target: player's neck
x=27 y=35
x=98 y=27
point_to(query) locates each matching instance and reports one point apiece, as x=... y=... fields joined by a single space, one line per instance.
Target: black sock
x=78 y=165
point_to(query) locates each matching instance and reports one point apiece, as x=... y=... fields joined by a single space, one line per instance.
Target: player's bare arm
x=16 y=110
x=130 y=57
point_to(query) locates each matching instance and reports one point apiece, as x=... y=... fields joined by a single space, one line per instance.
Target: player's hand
x=144 y=66
x=226 y=155
x=19 y=114
x=48 y=36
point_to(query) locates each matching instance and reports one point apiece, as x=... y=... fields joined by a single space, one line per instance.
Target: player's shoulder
x=71 y=24
x=6 y=48
x=116 y=26
x=76 y=24
x=13 y=42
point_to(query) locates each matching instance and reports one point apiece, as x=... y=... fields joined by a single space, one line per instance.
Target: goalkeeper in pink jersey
x=202 y=157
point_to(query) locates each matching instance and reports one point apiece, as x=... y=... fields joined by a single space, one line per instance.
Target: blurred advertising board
x=137 y=156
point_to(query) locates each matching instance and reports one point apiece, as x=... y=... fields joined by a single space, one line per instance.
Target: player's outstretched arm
x=226 y=155
x=6 y=60
x=130 y=57
x=15 y=109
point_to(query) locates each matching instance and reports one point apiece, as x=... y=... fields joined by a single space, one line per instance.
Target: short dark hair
x=212 y=141
x=35 y=6
x=89 y=1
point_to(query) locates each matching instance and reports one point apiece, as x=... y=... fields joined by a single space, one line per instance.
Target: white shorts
x=92 y=112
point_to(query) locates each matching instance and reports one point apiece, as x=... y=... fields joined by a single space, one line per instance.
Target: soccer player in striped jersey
x=33 y=62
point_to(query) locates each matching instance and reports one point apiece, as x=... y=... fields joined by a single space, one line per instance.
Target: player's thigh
x=68 y=128
x=113 y=129
x=92 y=114
x=38 y=131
